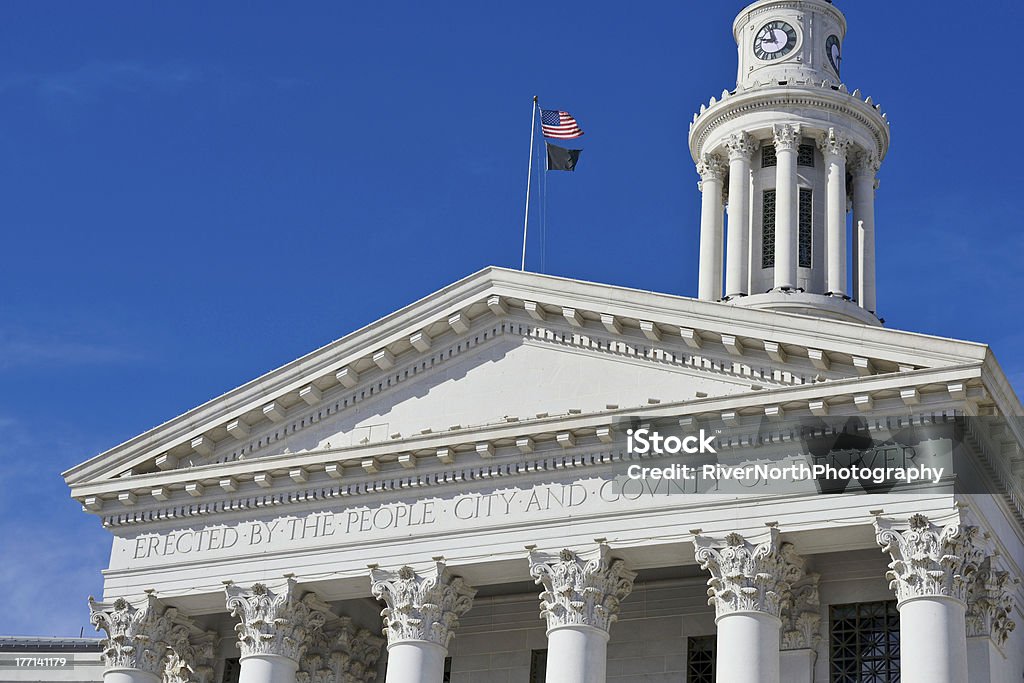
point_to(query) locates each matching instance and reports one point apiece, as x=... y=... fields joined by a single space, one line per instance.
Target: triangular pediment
x=503 y=345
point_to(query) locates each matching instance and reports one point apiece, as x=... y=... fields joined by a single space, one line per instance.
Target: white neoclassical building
x=464 y=463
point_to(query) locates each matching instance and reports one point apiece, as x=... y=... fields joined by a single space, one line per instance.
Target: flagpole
x=529 y=178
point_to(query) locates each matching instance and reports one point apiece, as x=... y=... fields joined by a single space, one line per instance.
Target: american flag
x=559 y=124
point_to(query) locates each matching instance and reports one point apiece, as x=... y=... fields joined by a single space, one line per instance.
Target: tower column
x=833 y=147
x=420 y=619
x=737 y=276
x=787 y=140
x=712 y=170
x=931 y=572
x=864 y=169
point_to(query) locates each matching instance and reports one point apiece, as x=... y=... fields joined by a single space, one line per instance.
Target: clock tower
x=787 y=154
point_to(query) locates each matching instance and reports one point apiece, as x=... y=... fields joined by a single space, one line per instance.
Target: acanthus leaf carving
x=990 y=604
x=787 y=136
x=747 y=577
x=340 y=653
x=190 y=655
x=741 y=146
x=274 y=623
x=930 y=560
x=137 y=636
x=711 y=167
x=421 y=607
x=834 y=143
x=581 y=590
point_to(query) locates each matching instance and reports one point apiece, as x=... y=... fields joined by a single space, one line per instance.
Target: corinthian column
x=712 y=170
x=864 y=169
x=420 y=619
x=272 y=629
x=747 y=586
x=932 y=570
x=989 y=620
x=833 y=147
x=135 y=650
x=737 y=277
x=787 y=141
x=580 y=601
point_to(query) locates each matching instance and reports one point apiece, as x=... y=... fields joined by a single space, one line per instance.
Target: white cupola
x=790 y=151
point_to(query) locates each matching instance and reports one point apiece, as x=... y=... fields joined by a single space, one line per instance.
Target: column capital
x=801 y=615
x=421 y=606
x=137 y=636
x=787 y=136
x=863 y=164
x=741 y=146
x=990 y=604
x=928 y=560
x=274 y=623
x=747 y=577
x=581 y=589
x=711 y=167
x=190 y=655
x=833 y=143
x=340 y=653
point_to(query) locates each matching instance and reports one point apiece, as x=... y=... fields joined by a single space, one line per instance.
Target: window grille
x=806 y=223
x=865 y=643
x=700 y=659
x=768 y=229
x=538 y=666
x=768 y=158
x=805 y=155
x=232 y=668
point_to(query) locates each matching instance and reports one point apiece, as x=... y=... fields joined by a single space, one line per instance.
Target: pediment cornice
x=513 y=448
x=649 y=327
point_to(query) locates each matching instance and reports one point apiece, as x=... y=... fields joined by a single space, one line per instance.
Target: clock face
x=835 y=54
x=776 y=39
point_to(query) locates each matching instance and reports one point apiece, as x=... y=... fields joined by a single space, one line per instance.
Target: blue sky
x=194 y=193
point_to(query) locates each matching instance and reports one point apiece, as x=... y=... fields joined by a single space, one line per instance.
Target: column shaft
x=267 y=669
x=864 y=223
x=748 y=648
x=787 y=139
x=412 y=661
x=712 y=170
x=577 y=654
x=933 y=641
x=737 y=274
x=129 y=676
x=833 y=146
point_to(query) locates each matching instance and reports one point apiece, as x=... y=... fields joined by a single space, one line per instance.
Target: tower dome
x=790 y=151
